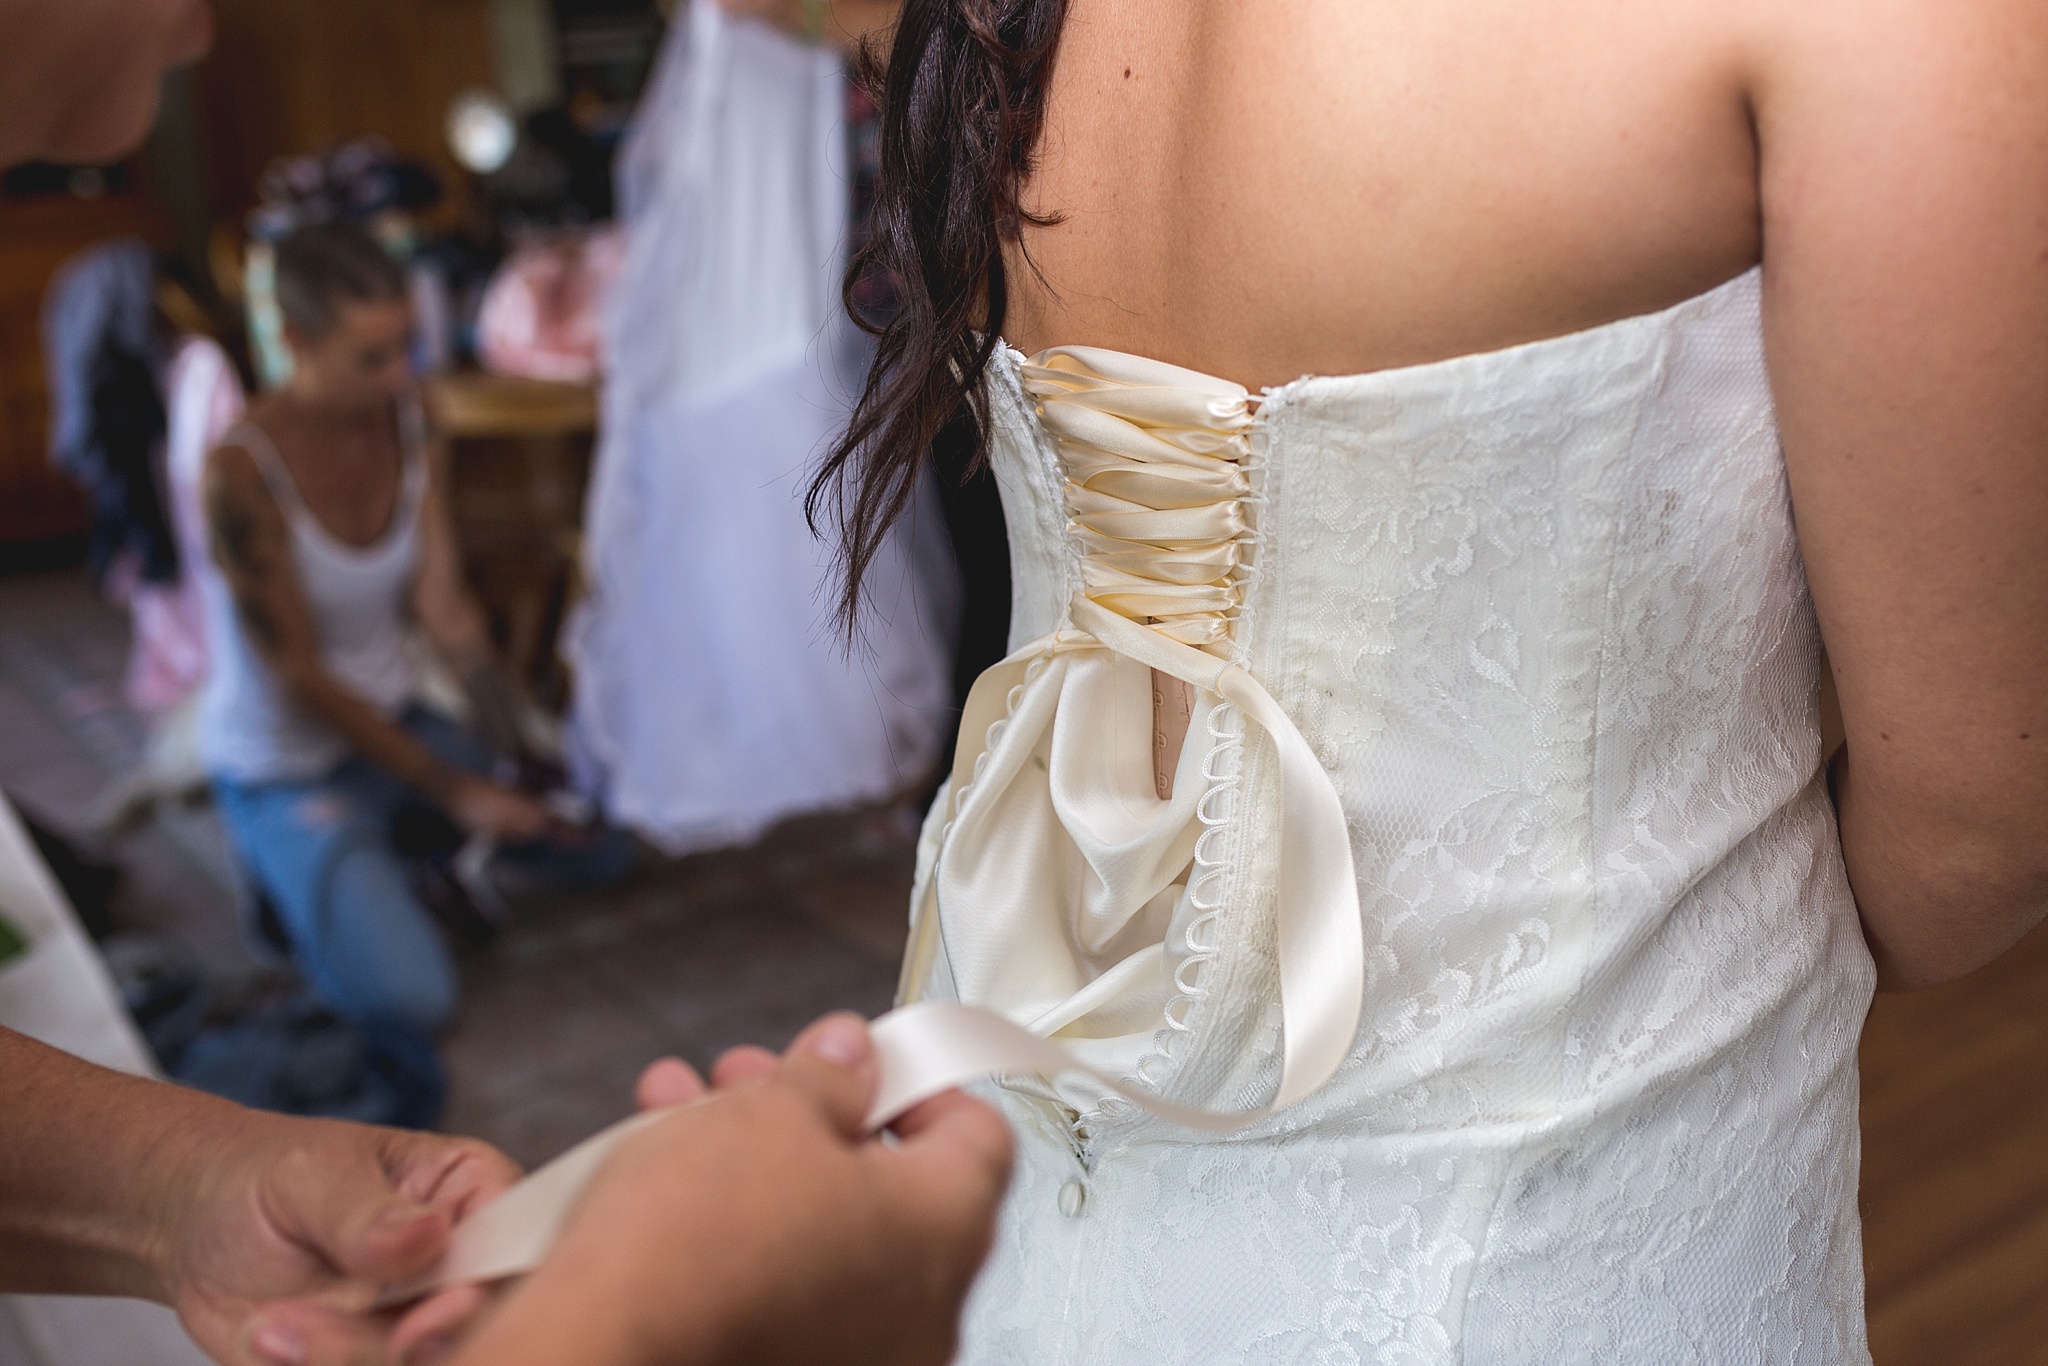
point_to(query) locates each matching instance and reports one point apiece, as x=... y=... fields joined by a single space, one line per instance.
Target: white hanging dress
x=712 y=697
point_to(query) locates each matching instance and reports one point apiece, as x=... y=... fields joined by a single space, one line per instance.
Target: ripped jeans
x=321 y=847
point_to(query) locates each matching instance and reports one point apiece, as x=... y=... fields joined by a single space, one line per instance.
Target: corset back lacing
x=1157 y=488
x=1156 y=502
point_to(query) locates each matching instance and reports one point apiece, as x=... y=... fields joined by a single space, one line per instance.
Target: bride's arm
x=1905 y=185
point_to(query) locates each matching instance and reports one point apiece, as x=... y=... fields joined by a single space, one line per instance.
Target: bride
x=1414 y=721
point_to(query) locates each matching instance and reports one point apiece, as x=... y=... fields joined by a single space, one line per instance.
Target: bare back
x=1265 y=190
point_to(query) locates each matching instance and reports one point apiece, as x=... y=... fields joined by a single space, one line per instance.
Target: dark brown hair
x=963 y=101
x=322 y=267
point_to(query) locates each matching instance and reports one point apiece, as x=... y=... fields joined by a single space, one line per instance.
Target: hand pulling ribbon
x=1155 y=485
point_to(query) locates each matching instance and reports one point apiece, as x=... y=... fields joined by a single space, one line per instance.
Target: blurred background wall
x=286 y=78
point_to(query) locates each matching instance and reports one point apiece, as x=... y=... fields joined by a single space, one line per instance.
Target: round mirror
x=481 y=131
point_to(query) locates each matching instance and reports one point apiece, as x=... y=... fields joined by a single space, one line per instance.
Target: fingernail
x=279 y=1344
x=839 y=1039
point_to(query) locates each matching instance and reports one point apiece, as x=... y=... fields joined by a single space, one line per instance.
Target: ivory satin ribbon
x=1155 y=486
x=1156 y=490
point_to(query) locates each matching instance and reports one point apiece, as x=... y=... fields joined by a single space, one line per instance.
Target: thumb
x=401 y=1240
x=342 y=1201
x=961 y=1148
x=833 y=1064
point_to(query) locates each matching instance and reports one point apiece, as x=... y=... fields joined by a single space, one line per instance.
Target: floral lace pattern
x=1541 y=615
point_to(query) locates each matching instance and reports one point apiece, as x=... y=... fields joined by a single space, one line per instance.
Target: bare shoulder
x=1926 y=28
x=231 y=473
x=1903 y=162
x=1844 y=57
x=1383 y=182
x=243 y=521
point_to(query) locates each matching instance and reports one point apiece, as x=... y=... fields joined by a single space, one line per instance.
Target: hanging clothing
x=712 y=695
x=542 y=311
x=203 y=399
x=102 y=351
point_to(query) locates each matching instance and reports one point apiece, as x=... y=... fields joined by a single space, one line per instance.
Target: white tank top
x=250 y=730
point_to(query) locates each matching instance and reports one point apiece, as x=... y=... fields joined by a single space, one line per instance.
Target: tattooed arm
x=251 y=543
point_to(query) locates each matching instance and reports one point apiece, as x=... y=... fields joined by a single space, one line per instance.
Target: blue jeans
x=321 y=847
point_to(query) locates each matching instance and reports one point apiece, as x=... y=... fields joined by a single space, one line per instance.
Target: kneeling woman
x=329 y=524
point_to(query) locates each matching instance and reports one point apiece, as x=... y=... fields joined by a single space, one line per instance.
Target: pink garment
x=202 y=399
x=541 y=315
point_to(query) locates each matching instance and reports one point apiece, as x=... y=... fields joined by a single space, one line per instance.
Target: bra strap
x=261 y=449
x=413 y=435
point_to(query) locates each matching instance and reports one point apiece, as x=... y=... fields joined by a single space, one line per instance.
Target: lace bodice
x=1539 y=617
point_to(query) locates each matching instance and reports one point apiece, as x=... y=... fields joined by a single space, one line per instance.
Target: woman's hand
x=502 y=813
x=290 y=1227
x=759 y=1223
x=115 y=1185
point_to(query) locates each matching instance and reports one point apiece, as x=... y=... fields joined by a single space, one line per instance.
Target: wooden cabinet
x=519 y=456
x=293 y=76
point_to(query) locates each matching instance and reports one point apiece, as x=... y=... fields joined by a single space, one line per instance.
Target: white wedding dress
x=713 y=697
x=1540 y=617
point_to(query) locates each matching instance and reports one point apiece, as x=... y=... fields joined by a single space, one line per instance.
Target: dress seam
x=1513 y=1162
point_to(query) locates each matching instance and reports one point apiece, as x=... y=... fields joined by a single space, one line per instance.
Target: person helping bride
x=1413 y=719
